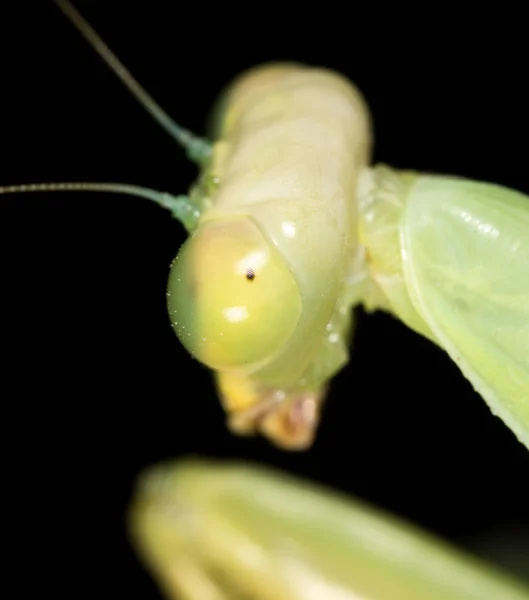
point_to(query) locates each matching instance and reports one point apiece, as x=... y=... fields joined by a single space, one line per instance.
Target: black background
x=95 y=386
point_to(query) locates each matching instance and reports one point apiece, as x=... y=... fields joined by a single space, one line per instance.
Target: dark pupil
x=250 y=274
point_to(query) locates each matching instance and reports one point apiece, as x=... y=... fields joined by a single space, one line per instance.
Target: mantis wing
x=466 y=265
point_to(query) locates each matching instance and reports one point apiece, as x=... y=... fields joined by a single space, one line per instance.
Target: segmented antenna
x=198 y=149
x=182 y=207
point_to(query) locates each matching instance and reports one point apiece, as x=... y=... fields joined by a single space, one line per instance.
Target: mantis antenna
x=181 y=206
x=197 y=149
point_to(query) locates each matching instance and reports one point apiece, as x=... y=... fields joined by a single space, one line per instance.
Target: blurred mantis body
x=290 y=228
x=228 y=532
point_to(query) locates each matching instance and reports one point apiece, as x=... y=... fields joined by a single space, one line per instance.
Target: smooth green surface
x=232 y=300
x=212 y=531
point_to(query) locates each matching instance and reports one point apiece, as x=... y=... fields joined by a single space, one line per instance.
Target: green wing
x=466 y=263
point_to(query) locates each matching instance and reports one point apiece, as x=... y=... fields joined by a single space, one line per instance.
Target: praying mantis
x=283 y=246
x=304 y=436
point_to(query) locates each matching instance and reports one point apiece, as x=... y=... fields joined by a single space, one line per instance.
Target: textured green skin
x=228 y=532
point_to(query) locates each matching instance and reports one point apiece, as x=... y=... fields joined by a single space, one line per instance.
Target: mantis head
x=232 y=299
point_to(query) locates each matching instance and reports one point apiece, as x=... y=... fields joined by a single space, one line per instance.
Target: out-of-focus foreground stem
x=213 y=531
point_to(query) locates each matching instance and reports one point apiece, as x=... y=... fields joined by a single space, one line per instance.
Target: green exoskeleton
x=214 y=531
x=290 y=228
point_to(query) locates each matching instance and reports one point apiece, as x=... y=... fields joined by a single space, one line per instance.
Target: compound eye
x=232 y=298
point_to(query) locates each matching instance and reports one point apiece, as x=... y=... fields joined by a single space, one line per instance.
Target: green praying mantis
x=290 y=228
